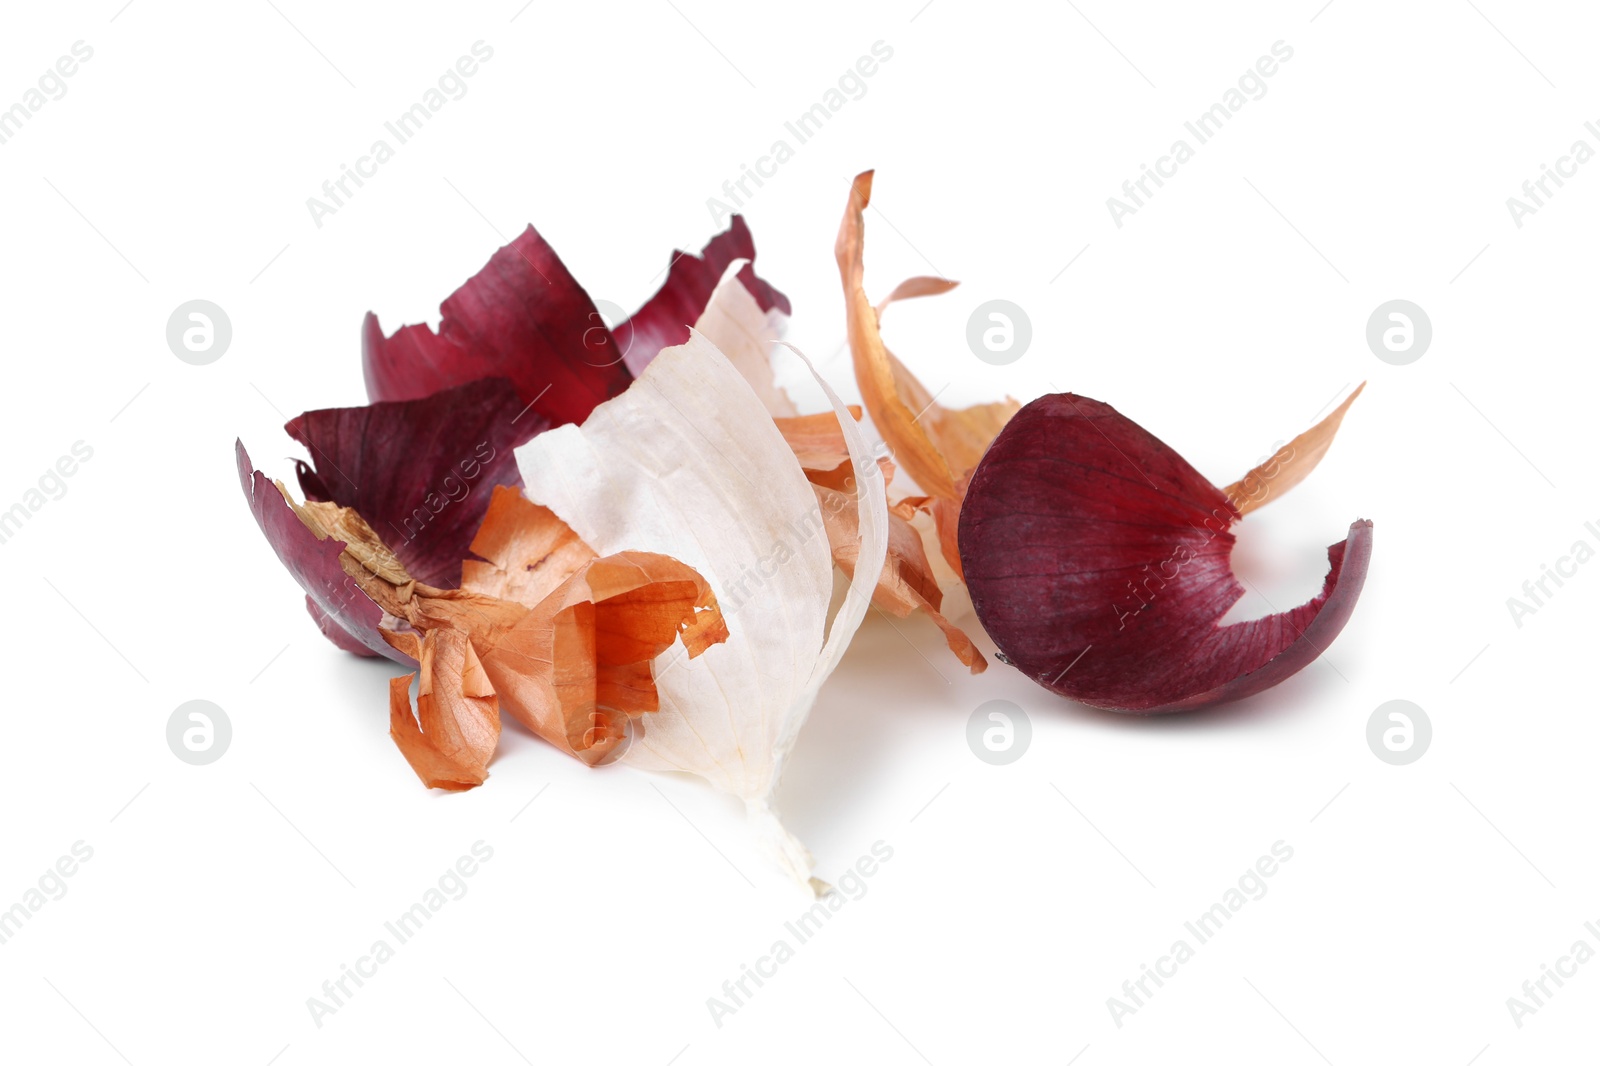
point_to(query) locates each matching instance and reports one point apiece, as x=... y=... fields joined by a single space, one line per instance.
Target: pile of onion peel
x=542 y=628
x=416 y=540
x=1096 y=558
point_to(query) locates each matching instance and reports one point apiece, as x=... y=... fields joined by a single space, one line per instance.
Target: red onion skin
x=1098 y=562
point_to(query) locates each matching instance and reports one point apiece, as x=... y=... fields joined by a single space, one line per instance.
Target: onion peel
x=689 y=463
x=935 y=445
x=1099 y=562
x=1290 y=464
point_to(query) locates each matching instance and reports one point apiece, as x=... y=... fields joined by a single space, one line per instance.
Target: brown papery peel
x=737 y=326
x=937 y=446
x=456 y=727
x=818 y=444
x=543 y=629
x=1290 y=464
x=907 y=582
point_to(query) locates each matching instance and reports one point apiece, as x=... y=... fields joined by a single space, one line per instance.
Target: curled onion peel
x=524 y=317
x=937 y=446
x=1099 y=562
x=421 y=472
x=689 y=463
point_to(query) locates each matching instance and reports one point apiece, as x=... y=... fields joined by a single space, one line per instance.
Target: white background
x=1224 y=316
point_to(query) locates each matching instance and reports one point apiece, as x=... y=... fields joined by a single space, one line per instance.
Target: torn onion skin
x=420 y=472
x=525 y=317
x=456 y=728
x=906 y=583
x=344 y=614
x=522 y=317
x=938 y=446
x=665 y=318
x=1099 y=562
x=542 y=629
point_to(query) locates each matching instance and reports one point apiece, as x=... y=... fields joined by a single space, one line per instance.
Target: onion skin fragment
x=665 y=318
x=338 y=606
x=421 y=471
x=524 y=317
x=1098 y=560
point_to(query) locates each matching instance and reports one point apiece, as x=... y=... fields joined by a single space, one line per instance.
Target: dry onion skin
x=520 y=347
x=495 y=602
x=525 y=318
x=690 y=464
x=543 y=628
x=1099 y=562
x=937 y=446
x=1102 y=587
x=624 y=537
x=735 y=322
